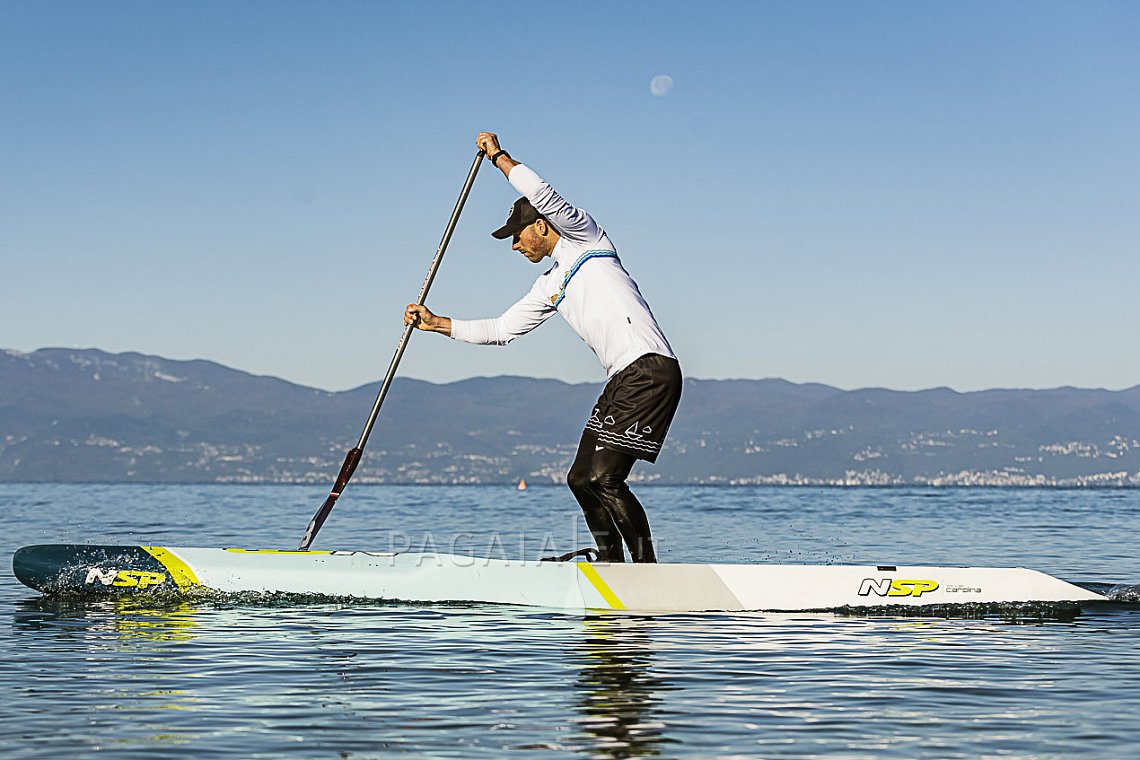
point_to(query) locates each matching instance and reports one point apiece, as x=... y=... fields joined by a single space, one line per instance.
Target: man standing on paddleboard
x=591 y=289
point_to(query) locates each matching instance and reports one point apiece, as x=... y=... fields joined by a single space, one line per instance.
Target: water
x=353 y=680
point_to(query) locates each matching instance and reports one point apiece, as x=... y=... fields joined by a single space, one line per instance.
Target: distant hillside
x=86 y=415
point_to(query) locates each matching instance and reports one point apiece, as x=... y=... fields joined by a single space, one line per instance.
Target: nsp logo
x=896 y=587
x=124 y=578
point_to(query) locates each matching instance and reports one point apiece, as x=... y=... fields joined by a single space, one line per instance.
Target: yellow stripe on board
x=279 y=551
x=607 y=593
x=180 y=572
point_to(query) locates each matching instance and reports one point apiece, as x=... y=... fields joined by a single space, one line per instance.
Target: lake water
x=360 y=680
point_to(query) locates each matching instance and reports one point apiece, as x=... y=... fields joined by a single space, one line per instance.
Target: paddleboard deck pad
x=450 y=578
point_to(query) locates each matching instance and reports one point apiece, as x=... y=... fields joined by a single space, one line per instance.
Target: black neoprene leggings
x=613 y=513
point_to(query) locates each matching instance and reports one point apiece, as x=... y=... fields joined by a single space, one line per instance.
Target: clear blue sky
x=891 y=194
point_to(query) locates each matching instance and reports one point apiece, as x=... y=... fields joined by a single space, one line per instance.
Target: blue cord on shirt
x=557 y=299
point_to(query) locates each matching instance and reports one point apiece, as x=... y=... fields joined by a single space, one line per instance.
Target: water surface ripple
x=227 y=678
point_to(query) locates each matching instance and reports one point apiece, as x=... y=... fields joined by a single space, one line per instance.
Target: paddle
x=353 y=457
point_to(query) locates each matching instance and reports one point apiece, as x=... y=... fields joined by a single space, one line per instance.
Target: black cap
x=522 y=215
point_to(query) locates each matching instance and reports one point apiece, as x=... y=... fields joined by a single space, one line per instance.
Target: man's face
x=530 y=242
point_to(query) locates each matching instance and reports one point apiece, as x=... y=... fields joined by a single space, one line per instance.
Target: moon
x=660 y=85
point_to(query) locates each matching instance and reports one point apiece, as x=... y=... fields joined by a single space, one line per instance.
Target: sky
x=873 y=194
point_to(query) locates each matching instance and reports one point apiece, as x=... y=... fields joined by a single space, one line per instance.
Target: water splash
x=1124 y=593
x=1009 y=612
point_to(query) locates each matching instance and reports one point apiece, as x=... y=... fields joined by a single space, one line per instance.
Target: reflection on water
x=92 y=652
x=400 y=670
x=618 y=692
x=130 y=618
x=362 y=680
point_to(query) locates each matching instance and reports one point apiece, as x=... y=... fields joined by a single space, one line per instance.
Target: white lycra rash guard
x=587 y=285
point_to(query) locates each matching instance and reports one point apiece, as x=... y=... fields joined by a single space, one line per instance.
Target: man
x=589 y=287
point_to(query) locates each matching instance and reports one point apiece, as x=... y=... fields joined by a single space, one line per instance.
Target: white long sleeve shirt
x=587 y=285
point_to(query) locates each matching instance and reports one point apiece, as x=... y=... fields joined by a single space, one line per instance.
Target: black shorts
x=636 y=407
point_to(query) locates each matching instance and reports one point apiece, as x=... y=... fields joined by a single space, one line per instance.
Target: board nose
x=30 y=567
x=86 y=569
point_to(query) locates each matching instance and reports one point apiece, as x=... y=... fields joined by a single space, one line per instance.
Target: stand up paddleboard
x=578 y=586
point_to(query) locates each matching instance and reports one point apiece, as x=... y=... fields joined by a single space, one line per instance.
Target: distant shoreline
x=89 y=416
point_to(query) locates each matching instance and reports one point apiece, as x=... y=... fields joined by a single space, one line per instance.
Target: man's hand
x=488 y=142
x=421 y=318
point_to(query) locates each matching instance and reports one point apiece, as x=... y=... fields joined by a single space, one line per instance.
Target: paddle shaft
x=354 y=454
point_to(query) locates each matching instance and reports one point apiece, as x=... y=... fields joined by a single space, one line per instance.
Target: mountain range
x=90 y=416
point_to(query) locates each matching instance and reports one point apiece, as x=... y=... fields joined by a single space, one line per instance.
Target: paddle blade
x=346 y=470
x=317 y=521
